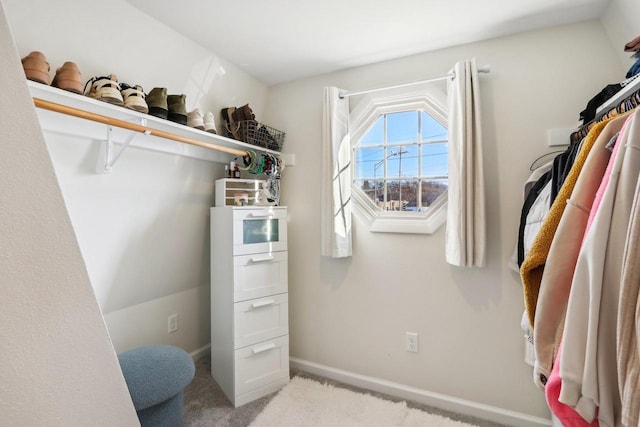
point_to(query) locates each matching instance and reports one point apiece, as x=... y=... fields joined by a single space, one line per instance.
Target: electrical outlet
x=172 y=323
x=412 y=342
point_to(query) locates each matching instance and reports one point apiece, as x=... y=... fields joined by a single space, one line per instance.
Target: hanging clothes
x=588 y=363
x=563 y=254
x=533 y=265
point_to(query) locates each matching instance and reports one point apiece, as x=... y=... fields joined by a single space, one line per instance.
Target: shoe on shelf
x=36 y=67
x=177 y=108
x=104 y=89
x=209 y=123
x=195 y=119
x=134 y=98
x=68 y=78
x=231 y=128
x=157 y=102
x=243 y=113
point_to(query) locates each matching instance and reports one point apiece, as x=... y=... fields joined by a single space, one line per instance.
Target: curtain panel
x=466 y=228
x=336 y=176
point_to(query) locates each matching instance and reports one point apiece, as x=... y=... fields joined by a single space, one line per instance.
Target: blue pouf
x=156 y=376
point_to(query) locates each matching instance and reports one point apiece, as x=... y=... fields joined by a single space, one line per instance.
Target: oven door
x=257 y=230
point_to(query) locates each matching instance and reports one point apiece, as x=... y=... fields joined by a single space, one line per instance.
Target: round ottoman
x=156 y=376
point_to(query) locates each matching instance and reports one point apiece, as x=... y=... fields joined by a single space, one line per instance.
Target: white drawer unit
x=249 y=301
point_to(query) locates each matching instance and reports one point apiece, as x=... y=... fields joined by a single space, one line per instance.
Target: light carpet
x=305 y=402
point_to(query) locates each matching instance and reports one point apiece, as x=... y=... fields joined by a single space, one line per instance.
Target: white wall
x=58 y=366
x=352 y=314
x=621 y=24
x=143 y=229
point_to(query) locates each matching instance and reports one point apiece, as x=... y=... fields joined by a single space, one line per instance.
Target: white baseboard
x=441 y=401
x=201 y=352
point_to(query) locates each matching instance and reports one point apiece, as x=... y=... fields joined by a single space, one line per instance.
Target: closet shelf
x=623 y=93
x=59 y=111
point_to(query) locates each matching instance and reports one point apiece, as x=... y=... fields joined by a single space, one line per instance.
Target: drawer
x=260 y=364
x=258 y=230
x=260 y=319
x=259 y=275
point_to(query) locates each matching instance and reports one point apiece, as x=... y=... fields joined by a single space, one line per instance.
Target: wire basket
x=255 y=133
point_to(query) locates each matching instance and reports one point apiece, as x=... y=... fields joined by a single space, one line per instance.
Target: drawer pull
x=260 y=215
x=261 y=259
x=263 y=348
x=262 y=303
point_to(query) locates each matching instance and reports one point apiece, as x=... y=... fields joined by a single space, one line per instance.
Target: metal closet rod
x=65 y=109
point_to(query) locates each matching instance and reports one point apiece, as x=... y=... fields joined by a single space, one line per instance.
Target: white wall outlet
x=412 y=342
x=172 y=323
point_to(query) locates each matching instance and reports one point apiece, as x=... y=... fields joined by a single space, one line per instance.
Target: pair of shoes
x=37 y=68
x=104 y=89
x=195 y=119
x=109 y=90
x=238 y=121
x=172 y=107
x=134 y=98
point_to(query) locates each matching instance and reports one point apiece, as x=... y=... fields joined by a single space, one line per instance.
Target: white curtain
x=466 y=229
x=336 y=176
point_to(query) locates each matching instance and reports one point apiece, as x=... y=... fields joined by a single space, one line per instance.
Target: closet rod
x=64 y=109
x=342 y=95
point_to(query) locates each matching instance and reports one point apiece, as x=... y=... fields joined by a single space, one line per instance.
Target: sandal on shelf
x=134 y=98
x=104 y=89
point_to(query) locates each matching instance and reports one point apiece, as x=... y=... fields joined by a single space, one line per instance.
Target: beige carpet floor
x=207 y=406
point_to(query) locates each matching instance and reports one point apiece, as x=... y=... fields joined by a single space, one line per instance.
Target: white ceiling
x=282 y=40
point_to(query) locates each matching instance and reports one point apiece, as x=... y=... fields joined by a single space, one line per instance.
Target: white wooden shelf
x=57 y=122
x=621 y=95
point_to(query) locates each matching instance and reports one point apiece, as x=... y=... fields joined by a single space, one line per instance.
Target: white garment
x=466 y=228
x=336 y=176
x=535 y=218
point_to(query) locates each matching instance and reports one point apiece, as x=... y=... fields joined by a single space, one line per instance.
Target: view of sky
x=402 y=160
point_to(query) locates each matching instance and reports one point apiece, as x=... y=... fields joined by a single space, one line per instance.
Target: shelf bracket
x=111 y=156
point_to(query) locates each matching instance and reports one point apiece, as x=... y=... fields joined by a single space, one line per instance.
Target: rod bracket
x=112 y=156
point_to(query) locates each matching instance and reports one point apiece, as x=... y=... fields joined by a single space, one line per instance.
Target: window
x=400 y=152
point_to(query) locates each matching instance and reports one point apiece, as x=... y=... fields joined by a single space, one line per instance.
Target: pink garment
x=565 y=413
x=605 y=182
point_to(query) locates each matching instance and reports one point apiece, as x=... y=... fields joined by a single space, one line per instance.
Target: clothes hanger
x=535 y=165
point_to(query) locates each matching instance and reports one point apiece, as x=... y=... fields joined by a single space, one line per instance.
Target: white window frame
x=362 y=118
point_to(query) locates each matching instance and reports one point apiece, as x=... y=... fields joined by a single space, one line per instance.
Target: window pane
x=375 y=135
x=409 y=195
x=402 y=161
x=431 y=129
x=402 y=127
x=367 y=186
x=369 y=162
x=434 y=159
x=432 y=189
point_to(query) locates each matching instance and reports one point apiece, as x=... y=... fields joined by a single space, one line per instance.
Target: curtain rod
x=485 y=69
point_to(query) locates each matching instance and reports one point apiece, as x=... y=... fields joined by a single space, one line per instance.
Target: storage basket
x=255 y=133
